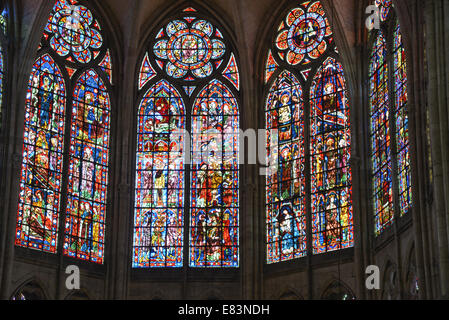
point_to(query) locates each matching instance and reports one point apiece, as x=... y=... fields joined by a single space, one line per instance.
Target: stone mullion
x=308 y=196
x=394 y=150
x=64 y=183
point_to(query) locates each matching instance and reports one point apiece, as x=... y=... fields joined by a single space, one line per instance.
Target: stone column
x=252 y=203
x=124 y=154
x=437 y=47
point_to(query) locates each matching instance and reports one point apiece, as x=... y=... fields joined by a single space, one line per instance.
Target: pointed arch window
x=188 y=90
x=159 y=199
x=308 y=121
x=64 y=179
x=391 y=170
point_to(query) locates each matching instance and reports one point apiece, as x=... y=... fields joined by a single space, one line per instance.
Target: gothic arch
x=32 y=43
x=31 y=289
x=168 y=10
x=309 y=75
x=412 y=282
x=81 y=294
x=190 y=96
x=337 y=290
x=402 y=12
x=411 y=255
x=390 y=282
x=110 y=26
x=290 y=294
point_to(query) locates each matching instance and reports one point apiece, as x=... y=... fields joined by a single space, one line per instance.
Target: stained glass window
x=40 y=188
x=380 y=136
x=88 y=171
x=304 y=46
x=389 y=118
x=72 y=33
x=215 y=179
x=159 y=199
x=330 y=145
x=286 y=219
x=199 y=92
x=402 y=129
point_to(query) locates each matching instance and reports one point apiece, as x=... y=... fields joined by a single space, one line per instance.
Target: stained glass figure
x=305 y=34
x=330 y=148
x=88 y=173
x=190 y=47
x=159 y=197
x=385 y=7
x=40 y=183
x=73 y=32
x=402 y=128
x=285 y=191
x=380 y=136
x=214 y=220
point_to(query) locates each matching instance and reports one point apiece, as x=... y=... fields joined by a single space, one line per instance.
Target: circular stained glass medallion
x=71 y=28
x=189 y=46
x=302 y=36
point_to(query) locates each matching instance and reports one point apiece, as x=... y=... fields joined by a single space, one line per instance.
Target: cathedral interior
x=347 y=101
